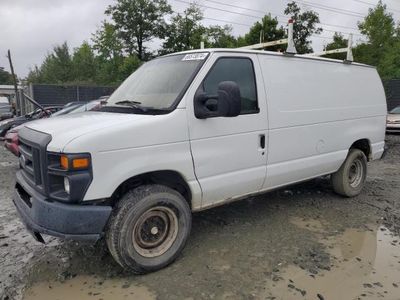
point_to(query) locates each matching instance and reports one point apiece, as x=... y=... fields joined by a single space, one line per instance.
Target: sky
x=30 y=28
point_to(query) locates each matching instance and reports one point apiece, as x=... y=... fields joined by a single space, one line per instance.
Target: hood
x=65 y=128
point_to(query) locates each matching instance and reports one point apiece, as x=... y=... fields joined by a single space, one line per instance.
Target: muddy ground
x=301 y=242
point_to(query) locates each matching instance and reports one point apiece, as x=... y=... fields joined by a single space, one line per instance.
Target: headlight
x=66 y=185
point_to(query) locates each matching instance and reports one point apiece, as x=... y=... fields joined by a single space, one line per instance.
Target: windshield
x=395 y=110
x=158 y=83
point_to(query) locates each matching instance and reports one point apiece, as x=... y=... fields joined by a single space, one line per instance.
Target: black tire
x=148 y=228
x=349 y=180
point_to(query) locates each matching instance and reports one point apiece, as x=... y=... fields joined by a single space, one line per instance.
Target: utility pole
x=18 y=103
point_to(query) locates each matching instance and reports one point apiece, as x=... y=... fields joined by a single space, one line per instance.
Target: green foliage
x=185 y=31
x=378 y=26
x=5 y=77
x=109 y=48
x=220 y=37
x=383 y=47
x=389 y=66
x=305 y=25
x=107 y=43
x=56 y=67
x=139 y=21
x=338 y=42
x=84 y=64
x=266 y=30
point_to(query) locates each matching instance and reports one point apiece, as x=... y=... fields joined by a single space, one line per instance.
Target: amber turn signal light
x=64 y=162
x=80 y=163
x=74 y=163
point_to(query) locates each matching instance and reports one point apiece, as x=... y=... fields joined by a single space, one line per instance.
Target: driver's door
x=230 y=153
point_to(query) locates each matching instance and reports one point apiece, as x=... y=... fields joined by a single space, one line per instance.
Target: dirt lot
x=302 y=242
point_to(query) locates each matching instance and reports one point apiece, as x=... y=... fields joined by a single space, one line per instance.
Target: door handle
x=262 y=141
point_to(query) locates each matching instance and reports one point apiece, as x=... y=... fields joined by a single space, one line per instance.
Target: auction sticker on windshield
x=195 y=56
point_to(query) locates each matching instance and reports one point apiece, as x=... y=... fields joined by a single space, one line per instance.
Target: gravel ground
x=264 y=247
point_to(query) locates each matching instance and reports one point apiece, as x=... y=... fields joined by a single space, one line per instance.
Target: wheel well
x=364 y=146
x=171 y=179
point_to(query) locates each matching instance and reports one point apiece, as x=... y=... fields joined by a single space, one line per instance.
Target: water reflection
x=364 y=264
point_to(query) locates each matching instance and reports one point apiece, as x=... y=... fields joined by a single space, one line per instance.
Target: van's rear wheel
x=148 y=228
x=349 y=180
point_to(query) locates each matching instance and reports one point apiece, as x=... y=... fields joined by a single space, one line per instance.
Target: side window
x=239 y=70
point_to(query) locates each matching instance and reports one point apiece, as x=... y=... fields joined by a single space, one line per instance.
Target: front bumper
x=67 y=221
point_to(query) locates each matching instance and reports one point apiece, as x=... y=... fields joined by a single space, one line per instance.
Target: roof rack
x=291 y=49
x=348 y=50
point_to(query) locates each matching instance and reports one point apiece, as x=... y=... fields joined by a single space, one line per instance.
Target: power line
x=240 y=7
x=273 y=13
x=228 y=22
x=331 y=9
x=256 y=17
x=221 y=9
x=374 y=4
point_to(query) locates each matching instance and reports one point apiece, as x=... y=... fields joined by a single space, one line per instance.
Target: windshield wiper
x=132 y=103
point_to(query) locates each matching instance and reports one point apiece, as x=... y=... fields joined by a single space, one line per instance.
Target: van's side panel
x=316 y=111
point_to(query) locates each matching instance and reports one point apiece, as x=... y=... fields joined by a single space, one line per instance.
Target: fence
x=48 y=94
x=392 y=90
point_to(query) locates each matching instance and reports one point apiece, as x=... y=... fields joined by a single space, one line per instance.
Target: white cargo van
x=190 y=131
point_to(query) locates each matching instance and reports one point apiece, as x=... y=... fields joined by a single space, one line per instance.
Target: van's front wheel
x=148 y=228
x=349 y=180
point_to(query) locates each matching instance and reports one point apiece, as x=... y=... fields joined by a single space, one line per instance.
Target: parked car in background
x=67 y=108
x=6 y=125
x=79 y=107
x=11 y=137
x=393 y=120
x=6 y=111
x=11 y=140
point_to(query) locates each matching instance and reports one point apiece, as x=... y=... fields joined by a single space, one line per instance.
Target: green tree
x=305 y=25
x=34 y=75
x=389 y=66
x=107 y=43
x=57 y=66
x=109 y=49
x=139 y=21
x=379 y=27
x=84 y=64
x=220 y=37
x=185 y=31
x=338 y=42
x=5 y=77
x=266 y=30
x=113 y=65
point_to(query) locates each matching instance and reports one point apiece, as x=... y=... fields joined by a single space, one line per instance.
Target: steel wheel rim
x=356 y=173
x=155 y=231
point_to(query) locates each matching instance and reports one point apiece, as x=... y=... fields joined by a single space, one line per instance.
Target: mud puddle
x=87 y=288
x=363 y=265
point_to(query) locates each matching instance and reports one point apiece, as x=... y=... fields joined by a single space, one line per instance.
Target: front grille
x=33 y=158
x=30 y=163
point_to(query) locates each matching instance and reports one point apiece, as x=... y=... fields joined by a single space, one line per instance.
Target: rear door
x=229 y=154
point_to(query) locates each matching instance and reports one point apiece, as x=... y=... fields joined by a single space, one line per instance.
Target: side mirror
x=227 y=102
